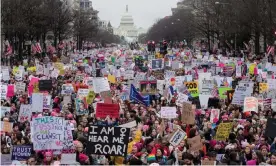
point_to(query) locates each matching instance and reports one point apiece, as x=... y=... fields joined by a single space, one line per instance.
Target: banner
x=168 y=112
x=177 y=137
x=103 y=110
x=223 y=131
x=45 y=85
x=25 y=113
x=21 y=152
x=188 y=114
x=47 y=132
x=112 y=141
x=250 y=104
x=192 y=87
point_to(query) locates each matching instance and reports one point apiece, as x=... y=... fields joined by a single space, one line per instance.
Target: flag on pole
x=38 y=47
x=271 y=50
x=34 y=49
x=137 y=97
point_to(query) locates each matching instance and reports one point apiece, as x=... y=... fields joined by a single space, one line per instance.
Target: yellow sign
x=263 y=87
x=111 y=78
x=251 y=68
x=192 y=87
x=223 y=131
x=90 y=97
x=31 y=69
x=60 y=67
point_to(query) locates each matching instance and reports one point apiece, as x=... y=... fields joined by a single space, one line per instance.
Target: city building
x=183 y=4
x=127 y=28
x=105 y=25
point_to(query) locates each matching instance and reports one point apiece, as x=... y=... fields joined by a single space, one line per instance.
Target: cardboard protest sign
x=223 y=131
x=129 y=74
x=188 y=114
x=20 y=87
x=37 y=102
x=25 y=113
x=67 y=89
x=18 y=75
x=250 y=104
x=129 y=125
x=195 y=143
x=81 y=107
x=103 y=110
x=4 y=110
x=177 y=137
x=214 y=118
x=6 y=126
x=111 y=78
x=208 y=162
x=148 y=87
x=111 y=141
x=181 y=98
x=47 y=132
x=21 y=152
x=100 y=85
x=45 y=85
x=168 y=112
x=192 y=87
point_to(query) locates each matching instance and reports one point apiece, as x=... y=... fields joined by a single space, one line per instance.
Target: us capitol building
x=127 y=29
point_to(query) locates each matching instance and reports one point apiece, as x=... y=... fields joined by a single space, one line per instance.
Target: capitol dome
x=127 y=19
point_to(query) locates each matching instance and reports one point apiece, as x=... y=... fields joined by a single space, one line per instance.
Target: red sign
x=104 y=109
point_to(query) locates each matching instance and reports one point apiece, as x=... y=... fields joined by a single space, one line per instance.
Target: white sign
x=82 y=93
x=47 y=101
x=100 y=85
x=4 y=110
x=160 y=86
x=68 y=159
x=214 y=118
x=129 y=125
x=37 y=102
x=168 y=112
x=250 y=104
x=4 y=91
x=129 y=74
x=67 y=89
x=5 y=74
x=18 y=75
x=25 y=113
x=177 y=137
x=181 y=98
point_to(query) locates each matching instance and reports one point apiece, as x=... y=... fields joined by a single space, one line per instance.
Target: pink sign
x=10 y=91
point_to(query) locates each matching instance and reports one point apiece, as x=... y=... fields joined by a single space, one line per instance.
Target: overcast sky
x=144 y=12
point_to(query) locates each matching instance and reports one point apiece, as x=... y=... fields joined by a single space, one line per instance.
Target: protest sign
x=100 y=85
x=4 y=110
x=204 y=100
x=6 y=126
x=168 y=112
x=188 y=114
x=81 y=107
x=88 y=81
x=208 y=162
x=223 y=92
x=241 y=92
x=156 y=64
x=214 y=118
x=66 y=100
x=263 y=87
x=18 y=75
x=129 y=125
x=10 y=90
x=82 y=93
x=45 y=85
x=68 y=137
x=148 y=87
x=129 y=74
x=47 y=101
x=67 y=89
x=90 y=97
x=21 y=152
x=47 y=132
x=195 y=143
x=169 y=74
x=6 y=159
x=104 y=109
x=230 y=94
x=111 y=141
x=181 y=98
x=206 y=86
x=270 y=129
x=223 y=131
x=5 y=74
x=68 y=159
x=20 y=87
x=25 y=113
x=177 y=137
x=250 y=104
x=37 y=102
x=4 y=91
x=192 y=87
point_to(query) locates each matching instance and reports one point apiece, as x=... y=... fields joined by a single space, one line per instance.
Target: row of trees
x=220 y=20
x=29 y=20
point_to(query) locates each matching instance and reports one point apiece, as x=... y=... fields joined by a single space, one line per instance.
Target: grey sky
x=144 y=12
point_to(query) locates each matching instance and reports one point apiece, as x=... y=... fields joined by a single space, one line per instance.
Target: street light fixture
x=220 y=3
